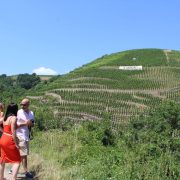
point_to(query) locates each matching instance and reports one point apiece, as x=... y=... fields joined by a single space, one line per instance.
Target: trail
x=139 y=105
x=155 y=93
x=83 y=115
x=90 y=78
x=139 y=97
x=8 y=176
x=35 y=97
x=58 y=97
x=166 y=54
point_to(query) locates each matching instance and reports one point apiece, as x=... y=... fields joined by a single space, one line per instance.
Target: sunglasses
x=23 y=104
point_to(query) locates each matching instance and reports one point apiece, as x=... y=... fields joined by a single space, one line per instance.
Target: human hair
x=1 y=107
x=11 y=110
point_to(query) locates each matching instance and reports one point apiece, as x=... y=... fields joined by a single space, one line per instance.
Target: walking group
x=15 y=135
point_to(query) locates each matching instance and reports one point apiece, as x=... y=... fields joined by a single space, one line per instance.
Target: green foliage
x=157 y=136
x=9 y=91
x=82 y=118
x=66 y=124
x=13 y=88
x=146 y=149
x=45 y=119
x=100 y=87
x=92 y=133
x=5 y=82
x=27 y=81
x=108 y=138
x=171 y=113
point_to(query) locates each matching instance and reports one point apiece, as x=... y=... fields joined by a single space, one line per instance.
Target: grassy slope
x=100 y=88
x=146 y=149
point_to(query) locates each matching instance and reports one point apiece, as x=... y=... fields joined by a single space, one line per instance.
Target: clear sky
x=61 y=35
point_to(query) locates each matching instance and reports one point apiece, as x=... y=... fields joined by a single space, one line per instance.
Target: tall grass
x=146 y=148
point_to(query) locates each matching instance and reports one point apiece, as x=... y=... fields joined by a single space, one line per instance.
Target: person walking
x=24 y=116
x=8 y=142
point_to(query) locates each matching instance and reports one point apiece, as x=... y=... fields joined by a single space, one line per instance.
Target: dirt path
x=155 y=93
x=35 y=97
x=56 y=96
x=83 y=115
x=166 y=54
x=90 y=78
x=139 y=105
x=8 y=176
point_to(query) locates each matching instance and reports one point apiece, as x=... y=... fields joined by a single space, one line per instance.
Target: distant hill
x=46 y=77
x=101 y=90
x=42 y=77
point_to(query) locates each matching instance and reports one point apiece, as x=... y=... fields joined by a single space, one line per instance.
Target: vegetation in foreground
x=143 y=148
x=148 y=148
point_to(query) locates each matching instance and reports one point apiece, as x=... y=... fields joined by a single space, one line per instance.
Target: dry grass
x=49 y=170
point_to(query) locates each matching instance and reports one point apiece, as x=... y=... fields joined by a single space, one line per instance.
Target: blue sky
x=61 y=35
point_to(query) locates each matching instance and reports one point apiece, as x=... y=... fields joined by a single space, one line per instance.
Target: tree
x=27 y=81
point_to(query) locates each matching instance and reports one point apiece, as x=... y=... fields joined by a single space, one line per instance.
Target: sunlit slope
x=100 y=89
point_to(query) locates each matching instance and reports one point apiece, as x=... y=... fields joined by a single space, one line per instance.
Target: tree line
x=13 y=87
x=26 y=81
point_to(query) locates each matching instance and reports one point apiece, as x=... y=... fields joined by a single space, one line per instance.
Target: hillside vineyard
x=101 y=90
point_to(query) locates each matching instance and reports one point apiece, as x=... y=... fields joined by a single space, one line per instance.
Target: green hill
x=100 y=89
x=129 y=132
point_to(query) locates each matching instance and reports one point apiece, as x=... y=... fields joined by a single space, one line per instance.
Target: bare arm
x=31 y=123
x=21 y=125
x=13 y=130
x=1 y=117
x=1 y=122
x=1 y=129
x=25 y=123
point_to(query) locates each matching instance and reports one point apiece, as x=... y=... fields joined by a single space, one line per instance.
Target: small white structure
x=131 y=68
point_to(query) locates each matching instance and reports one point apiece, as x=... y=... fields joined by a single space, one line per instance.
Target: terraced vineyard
x=101 y=90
